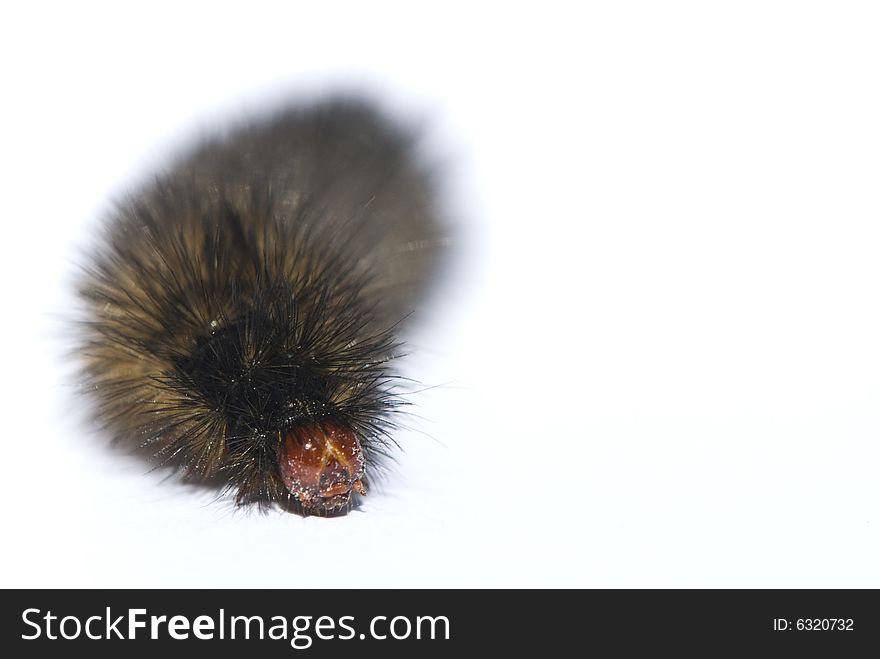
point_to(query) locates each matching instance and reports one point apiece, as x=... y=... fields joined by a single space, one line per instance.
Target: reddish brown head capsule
x=321 y=464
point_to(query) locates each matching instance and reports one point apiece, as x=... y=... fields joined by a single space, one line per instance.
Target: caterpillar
x=242 y=310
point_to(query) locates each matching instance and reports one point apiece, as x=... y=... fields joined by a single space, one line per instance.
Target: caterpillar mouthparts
x=243 y=309
x=322 y=465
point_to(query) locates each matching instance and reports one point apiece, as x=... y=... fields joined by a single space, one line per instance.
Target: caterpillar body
x=243 y=308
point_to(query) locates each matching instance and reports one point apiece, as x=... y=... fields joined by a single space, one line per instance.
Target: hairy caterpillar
x=243 y=308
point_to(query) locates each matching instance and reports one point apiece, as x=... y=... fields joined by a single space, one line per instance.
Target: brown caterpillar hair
x=242 y=309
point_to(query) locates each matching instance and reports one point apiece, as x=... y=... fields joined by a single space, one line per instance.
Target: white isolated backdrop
x=658 y=362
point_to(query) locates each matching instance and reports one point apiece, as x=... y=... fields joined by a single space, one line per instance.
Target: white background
x=659 y=359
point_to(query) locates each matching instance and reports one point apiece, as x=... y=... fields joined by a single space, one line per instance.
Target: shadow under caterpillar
x=242 y=309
